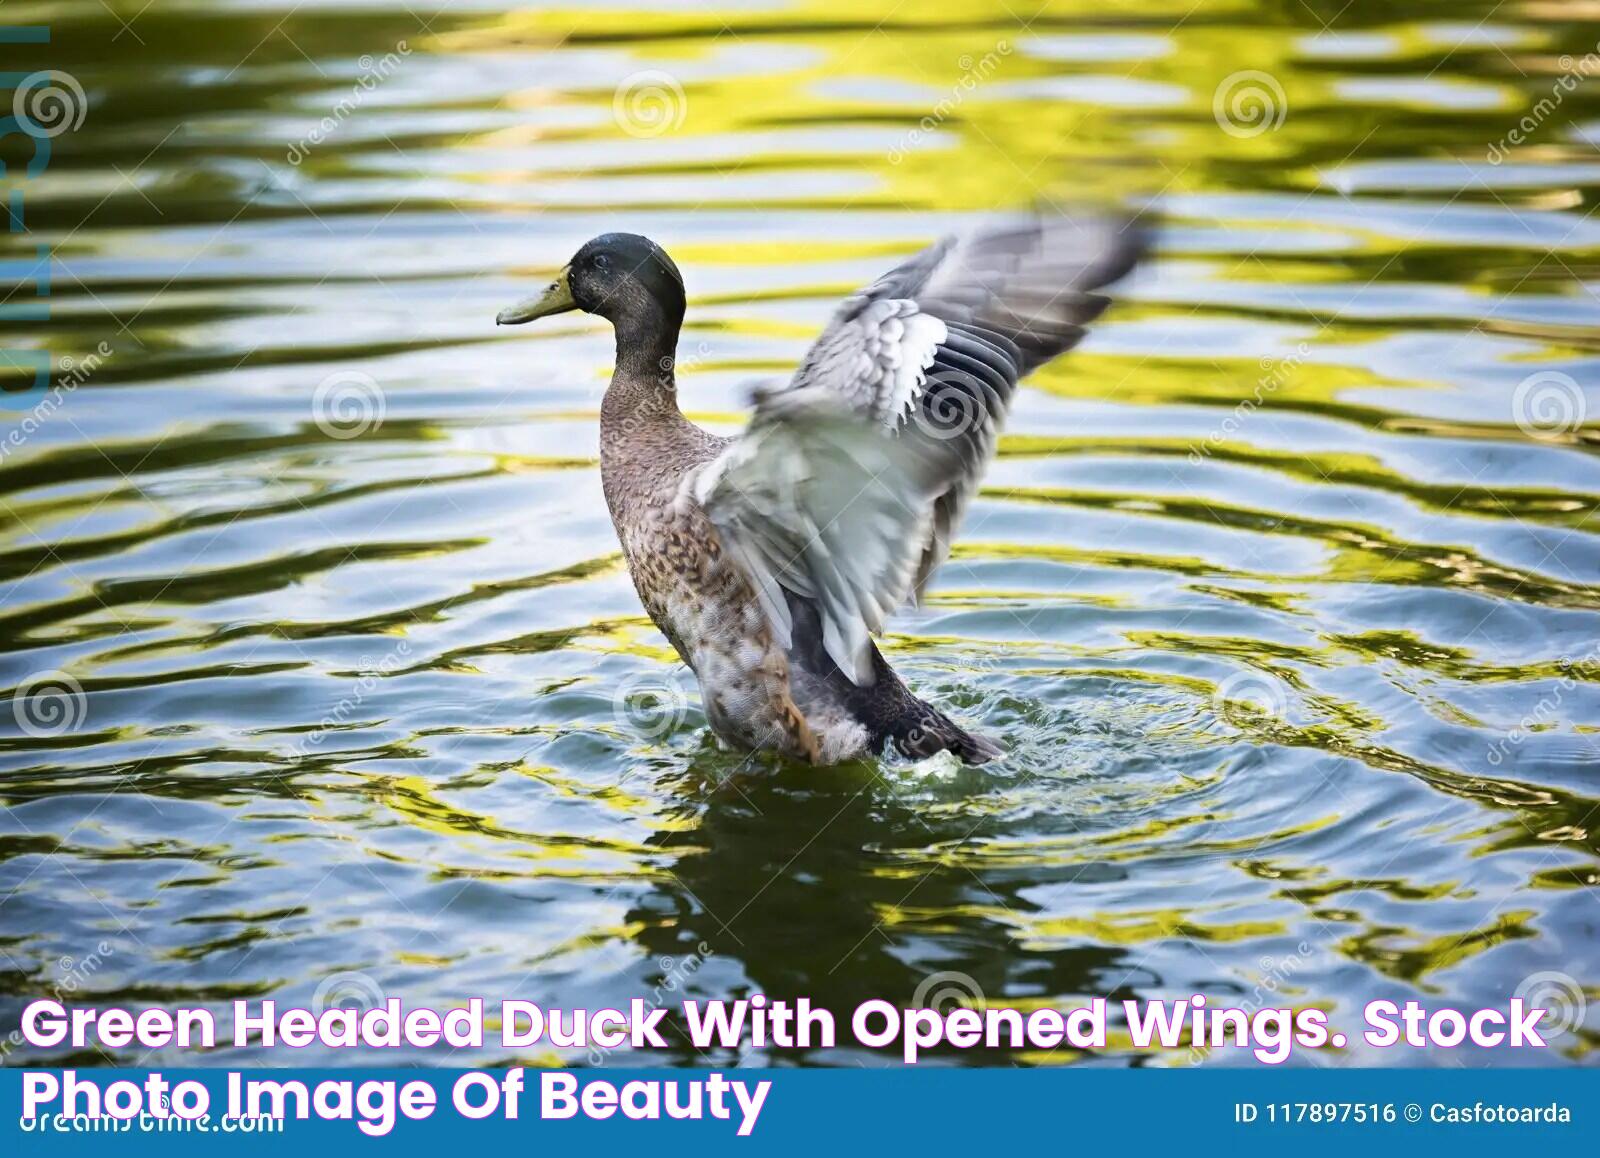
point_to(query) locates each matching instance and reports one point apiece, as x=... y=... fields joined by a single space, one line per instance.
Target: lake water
x=327 y=683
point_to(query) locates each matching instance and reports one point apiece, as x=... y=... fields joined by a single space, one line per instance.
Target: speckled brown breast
x=696 y=594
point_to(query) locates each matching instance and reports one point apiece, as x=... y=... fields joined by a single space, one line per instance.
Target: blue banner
x=708 y=1112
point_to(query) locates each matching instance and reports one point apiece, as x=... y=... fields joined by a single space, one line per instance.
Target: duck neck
x=644 y=389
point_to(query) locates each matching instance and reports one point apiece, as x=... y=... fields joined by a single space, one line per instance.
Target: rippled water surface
x=1282 y=593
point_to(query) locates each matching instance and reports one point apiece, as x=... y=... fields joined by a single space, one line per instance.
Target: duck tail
x=885 y=707
x=923 y=730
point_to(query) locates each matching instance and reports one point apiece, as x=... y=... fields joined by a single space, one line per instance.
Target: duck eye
x=601 y=261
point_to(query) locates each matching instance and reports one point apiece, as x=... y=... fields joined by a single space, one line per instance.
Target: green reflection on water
x=1283 y=603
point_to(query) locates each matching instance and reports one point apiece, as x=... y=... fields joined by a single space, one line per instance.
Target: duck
x=771 y=560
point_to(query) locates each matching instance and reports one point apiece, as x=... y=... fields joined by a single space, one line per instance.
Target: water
x=1283 y=592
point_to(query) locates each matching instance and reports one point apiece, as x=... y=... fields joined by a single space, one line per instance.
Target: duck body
x=758 y=693
x=692 y=590
x=769 y=559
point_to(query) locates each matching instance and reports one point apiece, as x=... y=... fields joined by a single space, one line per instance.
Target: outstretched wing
x=850 y=481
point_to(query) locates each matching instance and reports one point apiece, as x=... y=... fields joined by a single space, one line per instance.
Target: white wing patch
x=877 y=360
x=908 y=340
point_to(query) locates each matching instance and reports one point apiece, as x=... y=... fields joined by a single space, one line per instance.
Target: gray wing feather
x=852 y=479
